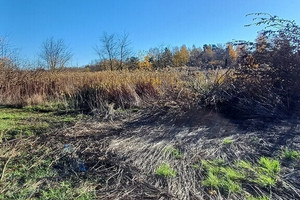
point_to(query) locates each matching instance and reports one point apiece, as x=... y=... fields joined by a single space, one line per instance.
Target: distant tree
x=8 y=55
x=155 y=57
x=208 y=54
x=219 y=52
x=181 y=57
x=55 y=53
x=114 y=48
x=218 y=58
x=132 y=63
x=241 y=49
x=195 y=57
x=262 y=49
x=176 y=58
x=108 y=49
x=125 y=51
x=231 y=54
x=184 y=54
x=167 y=58
x=146 y=63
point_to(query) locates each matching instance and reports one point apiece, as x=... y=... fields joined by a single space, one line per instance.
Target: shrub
x=265 y=80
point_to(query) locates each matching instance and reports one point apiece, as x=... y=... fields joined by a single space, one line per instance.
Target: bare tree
x=114 y=49
x=55 y=53
x=124 y=49
x=108 y=49
x=8 y=54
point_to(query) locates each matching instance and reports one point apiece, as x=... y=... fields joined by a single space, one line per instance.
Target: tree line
x=115 y=53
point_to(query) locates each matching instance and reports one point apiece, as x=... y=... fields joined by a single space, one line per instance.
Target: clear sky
x=149 y=23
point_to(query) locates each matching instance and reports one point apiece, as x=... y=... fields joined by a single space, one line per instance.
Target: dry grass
x=90 y=90
x=34 y=87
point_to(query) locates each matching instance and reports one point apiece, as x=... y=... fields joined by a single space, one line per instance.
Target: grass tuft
x=222 y=177
x=270 y=166
x=165 y=170
x=230 y=178
x=257 y=198
x=174 y=152
x=289 y=154
x=227 y=141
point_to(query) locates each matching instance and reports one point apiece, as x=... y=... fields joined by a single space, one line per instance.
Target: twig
x=4 y=168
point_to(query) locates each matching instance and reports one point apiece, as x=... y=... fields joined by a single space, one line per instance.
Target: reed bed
x=89 y=90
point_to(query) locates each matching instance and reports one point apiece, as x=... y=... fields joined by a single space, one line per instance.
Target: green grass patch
x=165 y=170
x=245 y=165
x=30 y=175
x=229 y=178
x=222 y=177
x=257 y=198
x=49 y=107
x=227 y=141
x=267 y=172
x=270 y=166
x=25 y=122
x=289 y=154
x=65 y=190
x=26 y=171
x=265 y=180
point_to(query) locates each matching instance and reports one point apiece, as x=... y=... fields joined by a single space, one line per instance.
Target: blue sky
x=149 y=23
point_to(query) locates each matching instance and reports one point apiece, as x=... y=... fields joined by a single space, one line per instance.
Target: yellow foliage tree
x=231 y=54
x=145 y=64
x=181 y=57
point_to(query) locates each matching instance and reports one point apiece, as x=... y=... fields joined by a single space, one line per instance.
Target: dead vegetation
x=94 y=90
x=99 y=92
x=264 y=81
x=120 y=158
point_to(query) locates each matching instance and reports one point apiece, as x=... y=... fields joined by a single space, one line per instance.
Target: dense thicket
x=265 y=79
